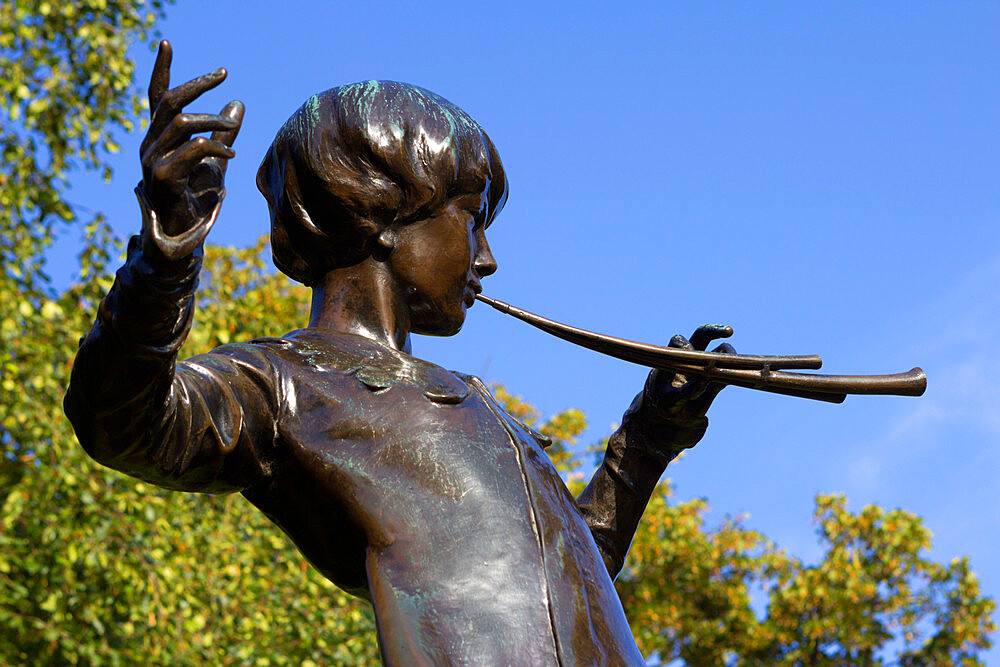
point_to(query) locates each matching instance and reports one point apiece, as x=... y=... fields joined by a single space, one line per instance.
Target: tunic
x=401 y=482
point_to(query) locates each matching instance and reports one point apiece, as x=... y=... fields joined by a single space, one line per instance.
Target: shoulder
x=256 y=355
x=502 y=412
x=373 y=366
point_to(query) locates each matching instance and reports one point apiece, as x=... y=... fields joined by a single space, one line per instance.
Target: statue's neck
x=362 y=300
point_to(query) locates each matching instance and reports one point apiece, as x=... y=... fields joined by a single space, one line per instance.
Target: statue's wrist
x=162 y=247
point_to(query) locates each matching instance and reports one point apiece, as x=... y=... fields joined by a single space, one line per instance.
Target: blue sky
x=823 y=179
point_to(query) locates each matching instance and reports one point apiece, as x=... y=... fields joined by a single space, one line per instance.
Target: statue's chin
x=437 y=331
x=439 y=326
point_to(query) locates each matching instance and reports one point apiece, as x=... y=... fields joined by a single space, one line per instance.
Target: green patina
x=312 y=108
x=375 y=367
x=408 y=102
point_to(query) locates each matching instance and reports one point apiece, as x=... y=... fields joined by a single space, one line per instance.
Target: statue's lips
x=471 y=290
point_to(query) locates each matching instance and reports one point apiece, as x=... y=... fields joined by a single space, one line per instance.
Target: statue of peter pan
x=403 y=483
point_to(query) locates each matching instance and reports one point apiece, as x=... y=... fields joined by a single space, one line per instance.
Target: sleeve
x=637 y=454
x=208 y=424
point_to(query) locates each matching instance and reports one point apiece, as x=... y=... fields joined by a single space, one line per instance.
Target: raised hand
x=183 y=177
x=683 y=401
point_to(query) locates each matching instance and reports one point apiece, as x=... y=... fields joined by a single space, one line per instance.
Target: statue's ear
x=386 y=239
x=383 y=242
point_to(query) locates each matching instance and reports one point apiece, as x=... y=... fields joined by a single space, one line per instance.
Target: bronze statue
x=403 y=483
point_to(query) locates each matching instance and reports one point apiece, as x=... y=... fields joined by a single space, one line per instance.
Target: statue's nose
x=484 y=264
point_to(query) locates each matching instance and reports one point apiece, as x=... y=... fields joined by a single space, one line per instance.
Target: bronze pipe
x=742 y=370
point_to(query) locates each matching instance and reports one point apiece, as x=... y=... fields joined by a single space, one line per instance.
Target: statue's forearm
x=206 y=424
x=614 y=501
x=123 y=371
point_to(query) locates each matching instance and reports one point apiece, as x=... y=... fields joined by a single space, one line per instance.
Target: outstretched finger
x=175 y=99
x=709 y=332
x=182 y=161
x=186 y=93
x=159 y=82
x=234 y=111
x=182 y=126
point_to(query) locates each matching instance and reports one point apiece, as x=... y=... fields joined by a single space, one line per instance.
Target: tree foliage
x=98 y=568
x=874 y=598
x=67 y=88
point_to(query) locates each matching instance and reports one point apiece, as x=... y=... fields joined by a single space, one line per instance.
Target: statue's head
x=358 y=160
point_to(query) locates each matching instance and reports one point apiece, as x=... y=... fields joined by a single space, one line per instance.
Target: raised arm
x=203 y=425
x=667 y=417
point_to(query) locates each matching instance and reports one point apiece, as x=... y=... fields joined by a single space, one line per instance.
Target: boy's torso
x=409 y=485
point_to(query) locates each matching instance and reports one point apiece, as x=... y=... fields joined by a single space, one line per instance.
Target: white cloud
x=960 y=349
x=966 y=391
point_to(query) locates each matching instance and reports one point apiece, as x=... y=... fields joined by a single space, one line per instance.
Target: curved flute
x=742 y=370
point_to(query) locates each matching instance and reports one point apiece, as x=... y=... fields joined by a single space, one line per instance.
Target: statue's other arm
x=204 y=425
x=667 y=417
x=207 y=424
